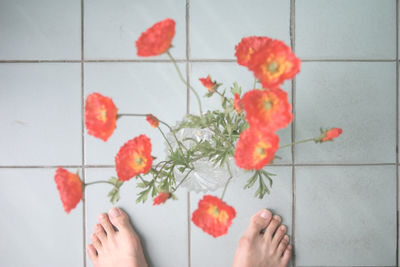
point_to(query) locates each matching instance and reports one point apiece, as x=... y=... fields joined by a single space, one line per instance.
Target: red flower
x=100 y=116
x=161 y=198
x=213 y=216
x=267 y=109
x=248 y=46
x=272 y=64
x=152 y=120
x=70 y=188
x=236 y=104
x=134 y=158
x=157 y=39
x=210 y=85
x=332 y=133
x=255 y=149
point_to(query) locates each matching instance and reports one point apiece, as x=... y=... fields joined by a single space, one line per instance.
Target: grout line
x=204 y=60
x=83 y=131
x=270 y=165
x=188 y=71
x=292 y=28
x=397 y=132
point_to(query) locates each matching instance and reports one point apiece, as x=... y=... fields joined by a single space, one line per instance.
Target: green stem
x=227 y=182
x=99 y=182
x=158 y=164
x=184 y=81
x=255 y=83
x=298 y=142
x=160 y=121
x=184 y=178
x=119 y=115
x=158 y=172
x=226 y=99
x=141 y=178
x=173 y=133
x=169 y=144
x=180 y=145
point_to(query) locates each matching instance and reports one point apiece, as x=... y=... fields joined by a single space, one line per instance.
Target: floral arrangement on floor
x=242 y=133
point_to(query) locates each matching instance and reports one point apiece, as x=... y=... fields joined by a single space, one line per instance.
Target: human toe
x=120 y=219
x=283 y=245
x=92 y=253
x=96 y=242
x=100 y=233
x=280 y=232
x=271 y=228
x=286 y=255
x=259 y=222
x=105 y=222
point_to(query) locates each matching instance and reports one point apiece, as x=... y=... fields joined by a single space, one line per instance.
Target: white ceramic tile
x=227 y=74
x=217 y=26
x=135 y=88
x=360 y=98
x=215 y=252
x=346 y=216
x=112 y=27
x=42 y=29
x=41 y=114
x=356 y=29
x=34 y=228
x=162 y=229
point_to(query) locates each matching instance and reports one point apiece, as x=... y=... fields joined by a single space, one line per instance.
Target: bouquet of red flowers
x=244 y=129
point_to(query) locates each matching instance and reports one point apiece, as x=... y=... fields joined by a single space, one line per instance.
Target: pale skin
x=264 y=243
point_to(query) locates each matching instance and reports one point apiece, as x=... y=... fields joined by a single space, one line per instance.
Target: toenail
x=265 y=214
x=286 y=237
x=276 y=217
x=115 y=212
x=289 y=246
x=98 y=227
x=283 y=228
x=102 y=216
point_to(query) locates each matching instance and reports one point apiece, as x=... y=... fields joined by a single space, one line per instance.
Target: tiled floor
x=339 y=200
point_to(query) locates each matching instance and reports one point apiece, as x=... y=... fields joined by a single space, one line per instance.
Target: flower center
x=268 y=104
x=260 y=151
x=102 y=115
x=273 y=67
x=220 y=215
x=139 y=161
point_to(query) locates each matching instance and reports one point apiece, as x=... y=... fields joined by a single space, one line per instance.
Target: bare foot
x=111 y=248
x=270 y=249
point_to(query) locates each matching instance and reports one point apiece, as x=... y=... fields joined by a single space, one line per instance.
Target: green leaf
x=236 y=89
x=141 y=185
x=154 y=191
x=114 y=193
x=251 y=181
x=143 y=196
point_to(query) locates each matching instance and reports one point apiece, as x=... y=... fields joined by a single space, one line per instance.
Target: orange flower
x=152 y=120
x=70 y=188
x=236 y=104
x=100 y=116
x=213 y=216
x=272 y=64
x=161 y=198
x=331 y=134
x=255 y=149
x=267 y=109
x=134 y=158
x=157 y=39
x=210 y=85
x=248 y=46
